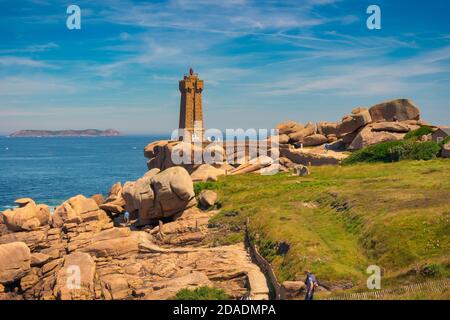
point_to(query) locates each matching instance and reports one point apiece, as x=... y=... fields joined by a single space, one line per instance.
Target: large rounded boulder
x=159 y=194
x=174 y=190
x=28 y=216
x=299 y=135
x=351 y=123
x=15 y=261
x=78 y=209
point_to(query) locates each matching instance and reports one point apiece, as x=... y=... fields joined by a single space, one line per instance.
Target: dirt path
x=229 y=267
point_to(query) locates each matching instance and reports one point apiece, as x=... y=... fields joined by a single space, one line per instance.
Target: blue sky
x=262 y=61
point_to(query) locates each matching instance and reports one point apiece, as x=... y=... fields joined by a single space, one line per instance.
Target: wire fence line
x=436 y=286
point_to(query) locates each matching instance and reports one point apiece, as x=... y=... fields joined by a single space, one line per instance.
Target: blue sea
x=52 y=169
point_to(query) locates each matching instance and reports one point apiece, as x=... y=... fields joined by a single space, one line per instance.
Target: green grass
x=200 y=186
x=201 y=293
x=341 y=219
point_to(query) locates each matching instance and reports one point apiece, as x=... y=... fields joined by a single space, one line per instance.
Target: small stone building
x=440 y=134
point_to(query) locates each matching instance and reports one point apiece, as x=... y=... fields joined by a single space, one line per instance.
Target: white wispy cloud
x=32 y=48
x=235 y=17
x=375 y=78
x=19 y=85
x=10 y=61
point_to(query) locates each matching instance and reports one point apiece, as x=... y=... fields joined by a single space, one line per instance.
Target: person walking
x=126 y=217
x=311 y=285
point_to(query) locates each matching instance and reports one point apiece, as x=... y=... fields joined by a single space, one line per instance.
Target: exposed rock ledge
x=38 y=254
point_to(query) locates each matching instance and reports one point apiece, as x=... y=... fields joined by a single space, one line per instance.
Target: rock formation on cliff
x=323 y=143
x=117 y=262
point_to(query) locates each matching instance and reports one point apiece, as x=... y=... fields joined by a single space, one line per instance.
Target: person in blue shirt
x=311 y=285
x=126 y=217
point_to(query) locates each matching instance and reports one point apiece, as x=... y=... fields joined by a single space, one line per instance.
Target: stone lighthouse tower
x=191 y=113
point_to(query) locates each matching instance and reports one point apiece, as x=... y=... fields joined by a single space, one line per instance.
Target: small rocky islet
x=65 y=133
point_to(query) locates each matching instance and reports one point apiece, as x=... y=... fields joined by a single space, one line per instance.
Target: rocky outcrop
x=359 y=118
x=28 y=216
x=98 y=198
x=314 y=140
x=299 y=135
x=159 y=194
x=289 y=127
x=115 y=242
x=395 y=110
x=115 y=202
x=387 y=121
x=76 y=210
x=15 y=261
x=367 y=137
x=166 y=154
x=314 y=157
x=174 y=191
x=327 y=128
x=293 y=289
x=75 y=280
x=207 y=172
x=84 y=258
x=398 y=127
x=283 y=139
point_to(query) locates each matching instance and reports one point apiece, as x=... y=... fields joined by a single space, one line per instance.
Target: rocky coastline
x=164 y=247
x=159 y=253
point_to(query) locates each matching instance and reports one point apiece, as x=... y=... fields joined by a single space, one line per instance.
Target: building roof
x=446 y=130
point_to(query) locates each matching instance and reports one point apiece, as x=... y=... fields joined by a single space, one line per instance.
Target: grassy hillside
x=340 y=220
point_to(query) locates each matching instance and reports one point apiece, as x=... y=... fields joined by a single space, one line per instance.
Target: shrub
x=431 y=270
x=376 y=153
x=416 y=134
x=201 y=293
x=401 y=151
x=446 y=140
x=395 y=151
x=424 y=151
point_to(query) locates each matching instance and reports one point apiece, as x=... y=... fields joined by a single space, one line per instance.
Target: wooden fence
x=278 y=290
x=425 y=287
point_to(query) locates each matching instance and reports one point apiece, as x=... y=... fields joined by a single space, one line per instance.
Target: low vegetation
x=446 y=140
x=416 y=134
x=395 y=151
x=341 y=219
x=201 y=293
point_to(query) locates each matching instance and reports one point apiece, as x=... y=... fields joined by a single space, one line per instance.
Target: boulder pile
x=387 y=121
x=159 y=194
x=244 y=158
x=28 y=216
x=323 y=143
x=79 y=253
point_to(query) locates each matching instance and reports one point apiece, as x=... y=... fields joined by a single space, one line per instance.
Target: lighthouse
x=191 y=112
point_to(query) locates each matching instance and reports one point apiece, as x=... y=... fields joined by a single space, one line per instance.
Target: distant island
x=66 y=133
